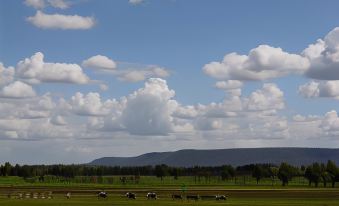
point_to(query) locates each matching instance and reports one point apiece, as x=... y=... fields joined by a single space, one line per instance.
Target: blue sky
x=180 y=38
x=179 y=35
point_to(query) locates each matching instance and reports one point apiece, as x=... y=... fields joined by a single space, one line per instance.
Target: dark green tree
x=161 y=171
x=258 y=172
x=332 y=171
x=286 y=172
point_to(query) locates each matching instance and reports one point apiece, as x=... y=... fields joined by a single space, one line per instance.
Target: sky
x=84 y=79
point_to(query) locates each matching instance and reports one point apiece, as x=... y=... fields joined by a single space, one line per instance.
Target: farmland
x=297 y=193
x=237 y=197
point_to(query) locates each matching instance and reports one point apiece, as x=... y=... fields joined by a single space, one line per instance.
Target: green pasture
x=241 y=192
x=151 y=181
x=119 y=201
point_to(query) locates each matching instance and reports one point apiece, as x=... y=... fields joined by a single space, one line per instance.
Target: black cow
x=151 y=195
x=102 y=195
x=130 y=195
x=221 y=197
x=208 y=197
x=176 y=197
x=192 y=197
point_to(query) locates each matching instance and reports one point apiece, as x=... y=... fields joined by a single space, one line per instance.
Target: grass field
x=239 y=194
x=81 y=196
x=117 y=202
x=150 y=181
x=263 y=199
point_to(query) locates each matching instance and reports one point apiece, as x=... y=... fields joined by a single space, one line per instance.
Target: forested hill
x=235 y=157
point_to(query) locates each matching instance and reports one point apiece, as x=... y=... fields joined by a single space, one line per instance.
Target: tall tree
x=258 y=172
x=333 y=172
x=285 y=173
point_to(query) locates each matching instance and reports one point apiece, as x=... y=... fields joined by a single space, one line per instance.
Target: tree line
x=315 y=173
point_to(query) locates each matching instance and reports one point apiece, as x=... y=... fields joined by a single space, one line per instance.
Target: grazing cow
x=130 y=195
x=50 y=195
x=221 y=197
x=102 y=195
x=35 y=195
x=68 y=195
x=42 y=195
x=151 y=195
x=20 y=195
x=176 y=197
x=192 y=197
x=28 y=195
x=208 y=197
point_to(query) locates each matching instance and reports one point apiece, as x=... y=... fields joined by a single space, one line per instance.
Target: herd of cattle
x=129 y=195
x=153 y=195
x=33 y=195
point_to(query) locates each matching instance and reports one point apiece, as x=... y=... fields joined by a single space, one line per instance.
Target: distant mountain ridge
x=217 y=157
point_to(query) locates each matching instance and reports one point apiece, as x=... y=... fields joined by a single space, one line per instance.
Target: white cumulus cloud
x=143 y=74
x=99 y=62
x=35 y=70
x=148 y=110
x=330 y=123
x=58 y=120
x=6 y=74
x=324 y=57
x=37 y=4
x=263 y=62
x=60 y=4
x=135 y=2
x=313 y=89
x=40 y=4
x=90 y=104
x=270 y=97
x=60 y=21
x=17 y=89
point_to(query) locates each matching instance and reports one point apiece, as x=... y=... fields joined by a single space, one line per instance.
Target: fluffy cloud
x=15 y=124
x=58 y=120
x=35 y=70
x=59 y=21
x=40 y=4
x=270 y=97
x=310 y=89
x=103 y=87
x=32 y=108
x=6 y=74
x=128 y=72
x=45 y=102
x=135 y=2
x=142 y=74
x=207 y=124
x=330 y=123
x=318 y=61
x=37 y=4
x=301 y=118
x=320 y=89
x=185 y=112
x=99 y=62
x=263 y=62
x=233 y=87
x=90 y=104
x=324 y=57
x=61 y=4
x=228 y=108
x=148 y=110
x=17 y=89
x=229 y=84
